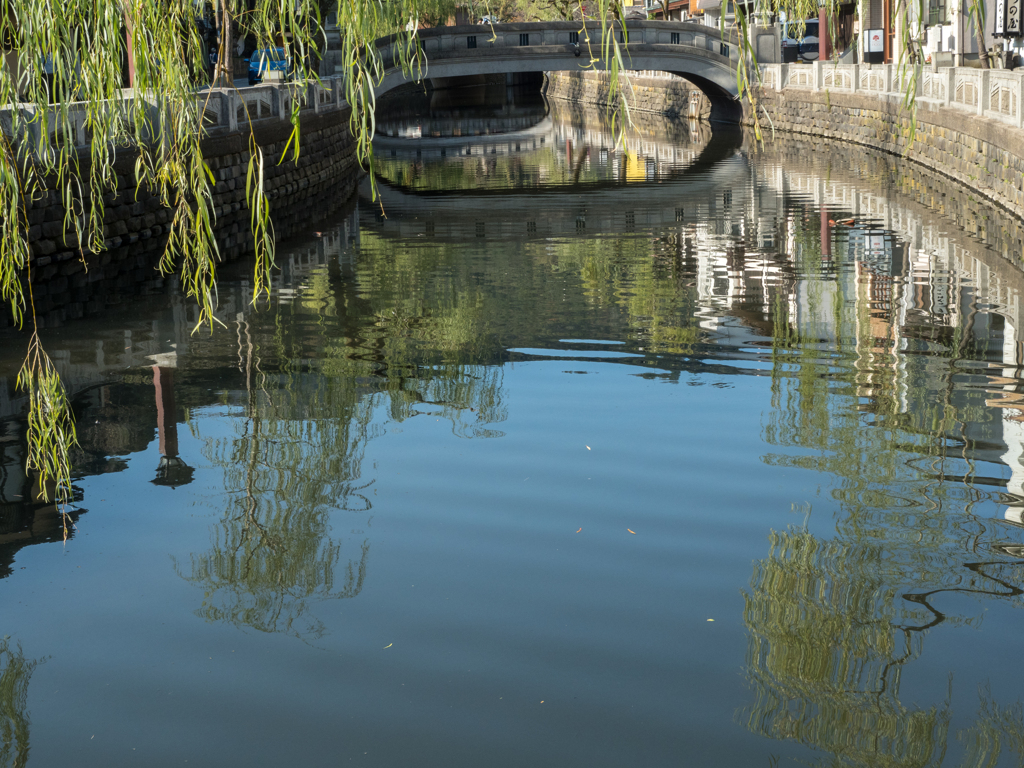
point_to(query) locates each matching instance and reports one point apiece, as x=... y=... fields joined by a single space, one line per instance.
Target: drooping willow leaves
x=63 y=78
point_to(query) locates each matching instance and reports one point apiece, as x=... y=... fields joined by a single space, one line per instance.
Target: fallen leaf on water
x=390 y=644
x=631 y=531
x=542 y=701
x=710 y=619
x=579 y=530
x=588 y=447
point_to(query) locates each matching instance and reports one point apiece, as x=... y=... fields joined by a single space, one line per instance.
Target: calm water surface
x=690 y=454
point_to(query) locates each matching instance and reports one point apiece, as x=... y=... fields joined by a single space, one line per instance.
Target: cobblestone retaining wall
x=980 y=153
x=666 y=95
x=68 y=286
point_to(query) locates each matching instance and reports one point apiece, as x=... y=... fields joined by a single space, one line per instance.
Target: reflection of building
x=887 y=293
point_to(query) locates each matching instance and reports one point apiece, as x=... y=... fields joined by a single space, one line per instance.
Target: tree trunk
x=978 y=15
x=982 y=52
x=224 y=76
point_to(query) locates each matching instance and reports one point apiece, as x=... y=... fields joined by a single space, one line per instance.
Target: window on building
x=936 y=11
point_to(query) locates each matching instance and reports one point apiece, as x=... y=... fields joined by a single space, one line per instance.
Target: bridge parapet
x=562 y=33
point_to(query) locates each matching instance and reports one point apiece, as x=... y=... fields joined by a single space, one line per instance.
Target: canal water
x=559 y=453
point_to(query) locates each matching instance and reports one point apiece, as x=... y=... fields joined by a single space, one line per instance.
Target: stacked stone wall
x=982 y=154
x=668 y=96
x=68 y=284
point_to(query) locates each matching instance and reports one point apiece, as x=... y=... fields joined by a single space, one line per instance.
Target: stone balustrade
x=992 y=93
x=222 y=110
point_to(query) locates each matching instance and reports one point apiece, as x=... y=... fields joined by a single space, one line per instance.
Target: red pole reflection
x=167 y=427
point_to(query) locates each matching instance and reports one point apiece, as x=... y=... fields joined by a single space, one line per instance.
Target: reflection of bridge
x=536 y=130
x=557 y=126
x=700 y=54
x=669 y=181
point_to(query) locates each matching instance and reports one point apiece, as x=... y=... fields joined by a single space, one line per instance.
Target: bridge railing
x=221 y=110
x=465 y=39
x=992 y=93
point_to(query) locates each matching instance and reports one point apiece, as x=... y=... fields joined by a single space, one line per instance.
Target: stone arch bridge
x=700 y=54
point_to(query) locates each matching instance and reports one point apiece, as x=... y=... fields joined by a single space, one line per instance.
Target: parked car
x=268 y=60
x=805 y=46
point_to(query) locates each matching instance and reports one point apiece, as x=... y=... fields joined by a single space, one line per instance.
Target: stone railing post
x=80 y=128
x=229 y=112
x=984 y=91
x=950 y=85
x=1020 y=99
x=818 y=72
x=888 y=78
x=280 y=102
x=783 y=74
x=855 y=74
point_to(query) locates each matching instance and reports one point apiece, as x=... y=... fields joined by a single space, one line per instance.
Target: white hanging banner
x=1000 y=25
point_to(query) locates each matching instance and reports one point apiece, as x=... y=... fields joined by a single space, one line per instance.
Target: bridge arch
x=697 y=53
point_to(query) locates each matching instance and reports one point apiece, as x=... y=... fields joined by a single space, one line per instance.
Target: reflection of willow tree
x=825 y=659
x=15 y=671
x=996 y=731
x=827 y=644
x=651 y=284
x=294 y=459
x=832 y=623
x=424 y=335
x=314 y=385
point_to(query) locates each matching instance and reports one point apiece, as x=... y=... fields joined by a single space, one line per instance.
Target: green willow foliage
x=72 y=53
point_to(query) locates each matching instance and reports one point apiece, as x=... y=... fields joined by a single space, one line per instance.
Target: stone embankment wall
x=68 y=285
x=660 y=94
x=904 y=194
x=978 y=152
